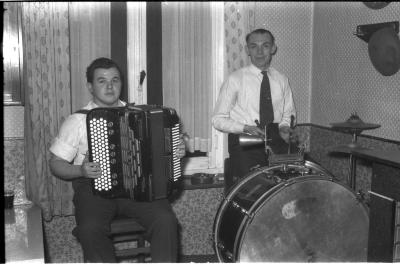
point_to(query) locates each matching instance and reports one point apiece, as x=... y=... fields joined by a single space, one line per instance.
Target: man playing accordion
x=94 y=213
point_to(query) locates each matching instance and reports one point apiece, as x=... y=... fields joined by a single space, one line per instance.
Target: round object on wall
x=384 y=51
x=376 y=5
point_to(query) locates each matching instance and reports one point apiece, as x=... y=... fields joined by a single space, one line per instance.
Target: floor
x=181 y=259
x=198 y=259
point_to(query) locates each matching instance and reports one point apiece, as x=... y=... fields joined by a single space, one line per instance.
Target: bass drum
x=291 y=213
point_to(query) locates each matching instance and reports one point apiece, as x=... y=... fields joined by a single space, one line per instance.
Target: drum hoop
x=257 y=171
x=228 y=198
x=273 y=190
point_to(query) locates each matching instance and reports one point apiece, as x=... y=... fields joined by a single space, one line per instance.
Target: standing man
x=251 y=98
x=94 y=213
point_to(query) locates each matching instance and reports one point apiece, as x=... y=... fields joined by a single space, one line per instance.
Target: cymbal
x=376 y=5
x=348 y=148
x=354 y=123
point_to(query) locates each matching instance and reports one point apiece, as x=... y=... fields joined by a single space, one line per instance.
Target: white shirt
x=239 y=99
x=71 y=142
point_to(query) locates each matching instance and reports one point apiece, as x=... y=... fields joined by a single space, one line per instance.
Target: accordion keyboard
x=176 y=163
x=101 y=153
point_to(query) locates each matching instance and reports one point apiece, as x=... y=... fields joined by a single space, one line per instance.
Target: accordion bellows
x=136 y=148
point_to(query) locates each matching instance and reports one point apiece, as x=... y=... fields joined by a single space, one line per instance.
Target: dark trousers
x=243 y=159
x=94 y=214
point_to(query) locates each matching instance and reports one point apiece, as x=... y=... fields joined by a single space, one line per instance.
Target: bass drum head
x=309 y=219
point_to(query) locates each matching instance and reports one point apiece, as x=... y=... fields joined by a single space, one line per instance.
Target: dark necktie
x=266 y=109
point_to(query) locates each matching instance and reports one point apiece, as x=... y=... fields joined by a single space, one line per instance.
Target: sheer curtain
x=50 y=63
x=187 y=68
x=90 y=39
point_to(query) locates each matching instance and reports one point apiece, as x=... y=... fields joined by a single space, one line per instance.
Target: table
x=24 y=234
x=384 y=224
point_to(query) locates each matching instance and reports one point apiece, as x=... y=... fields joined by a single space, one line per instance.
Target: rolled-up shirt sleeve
x=221 y=119
x=67 y=144
x=288 y=108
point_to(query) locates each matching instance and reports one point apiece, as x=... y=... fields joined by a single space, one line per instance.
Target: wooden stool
x=125 y=229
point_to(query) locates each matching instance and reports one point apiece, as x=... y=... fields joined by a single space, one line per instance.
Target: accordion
x=136 y=148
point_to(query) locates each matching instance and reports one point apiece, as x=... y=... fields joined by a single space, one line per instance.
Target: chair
x=125 y=229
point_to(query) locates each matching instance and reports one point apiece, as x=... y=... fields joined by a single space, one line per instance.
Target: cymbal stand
x=351 y=179
x=355 y=126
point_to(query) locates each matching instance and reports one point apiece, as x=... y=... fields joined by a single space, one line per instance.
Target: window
x=12 y=54
x=193 y=71
x=193 y=68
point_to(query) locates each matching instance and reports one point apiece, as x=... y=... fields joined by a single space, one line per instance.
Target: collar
x=92 y=105
x=255 y=70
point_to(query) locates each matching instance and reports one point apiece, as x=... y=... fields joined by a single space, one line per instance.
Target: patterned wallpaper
x=344 y=79
x=291 y=24
x=13 y=121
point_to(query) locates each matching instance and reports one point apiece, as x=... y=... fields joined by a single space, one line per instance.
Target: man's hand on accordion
x=90 y=169
x=181 y=150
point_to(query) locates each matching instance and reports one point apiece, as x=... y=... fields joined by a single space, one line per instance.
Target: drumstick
x=140 y=86
x=265 y=129
x=268 y=150
x=290 y=134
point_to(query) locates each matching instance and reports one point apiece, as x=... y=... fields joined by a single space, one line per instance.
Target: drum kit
x=293 y=210
x=355 y=126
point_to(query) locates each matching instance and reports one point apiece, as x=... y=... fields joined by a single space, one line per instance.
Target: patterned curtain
x=239 y=20
x=54 y=80
x=187 y=68
x=47 y=95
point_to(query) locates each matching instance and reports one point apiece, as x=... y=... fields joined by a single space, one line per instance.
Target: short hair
x=101 y=62
x=260 y=31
